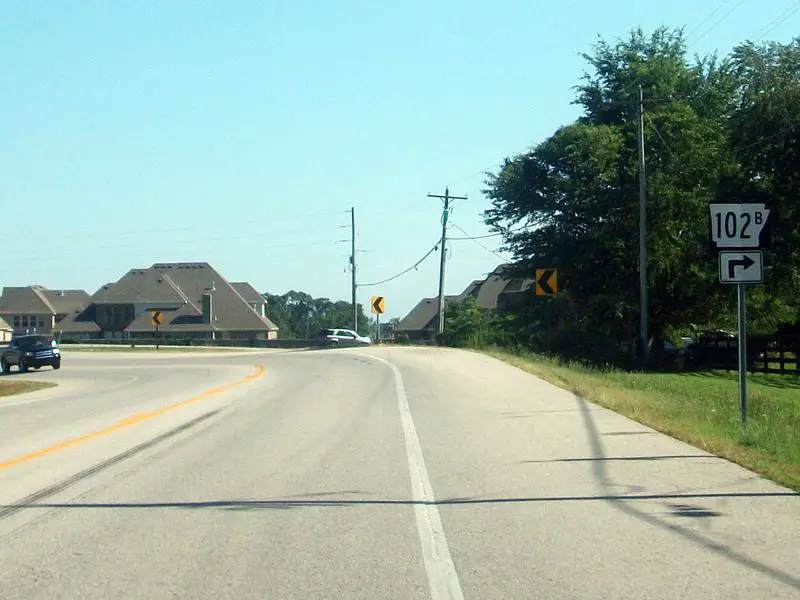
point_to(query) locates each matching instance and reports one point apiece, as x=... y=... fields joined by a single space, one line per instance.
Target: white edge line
x=442 y=576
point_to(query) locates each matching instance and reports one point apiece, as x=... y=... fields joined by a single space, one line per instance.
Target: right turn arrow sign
x=744 y=262
x=741 y=266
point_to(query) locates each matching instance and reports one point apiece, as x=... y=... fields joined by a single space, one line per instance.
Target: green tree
x=300 y=316
x=764 y=128
x=572 y=201
x=467 y=324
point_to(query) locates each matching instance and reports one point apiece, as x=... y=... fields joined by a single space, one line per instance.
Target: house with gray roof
x=252 y=297
x=195 y=300
x=422 y=323
x=501 y=290
x=34 y=308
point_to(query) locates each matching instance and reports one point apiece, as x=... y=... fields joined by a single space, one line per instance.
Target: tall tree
x=572 y=201
x=765 y=132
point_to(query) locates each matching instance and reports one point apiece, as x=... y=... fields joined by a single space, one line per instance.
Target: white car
x=335 y=337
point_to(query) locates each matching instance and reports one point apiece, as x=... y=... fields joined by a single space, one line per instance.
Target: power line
x=714 y=26
x=475 y=239
x=658 y=133
x=707 y=19
x=781 y=18
x=90 y=253
x=483 y=237
x=765 y=139
x=183 y=228
x=411 y=268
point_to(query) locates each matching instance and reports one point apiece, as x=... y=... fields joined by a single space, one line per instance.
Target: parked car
x=30 y=352
x=337 y=337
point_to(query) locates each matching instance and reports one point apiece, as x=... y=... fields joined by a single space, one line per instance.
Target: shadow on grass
x=790 y=382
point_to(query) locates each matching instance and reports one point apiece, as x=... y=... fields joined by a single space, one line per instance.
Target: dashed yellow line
x=128 y=421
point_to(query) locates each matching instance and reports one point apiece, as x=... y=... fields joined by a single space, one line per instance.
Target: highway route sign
x=740 y=225
x=741 y=266
x=546 y=282
x=157 y=317
x=378 y=305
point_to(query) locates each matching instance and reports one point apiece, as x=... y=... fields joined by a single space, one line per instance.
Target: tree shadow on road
x=302 y=502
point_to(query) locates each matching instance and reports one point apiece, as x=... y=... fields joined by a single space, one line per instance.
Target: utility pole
x=643 y=305
x=443 y=257
x=353 y=265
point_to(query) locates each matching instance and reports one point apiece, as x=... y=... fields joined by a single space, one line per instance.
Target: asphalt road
x=376 y=473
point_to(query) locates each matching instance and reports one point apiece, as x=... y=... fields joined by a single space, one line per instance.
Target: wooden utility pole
x=643 y=304
x=353 y=265
x=442 y=246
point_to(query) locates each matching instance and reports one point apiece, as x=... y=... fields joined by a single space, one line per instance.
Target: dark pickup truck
x=30 y=352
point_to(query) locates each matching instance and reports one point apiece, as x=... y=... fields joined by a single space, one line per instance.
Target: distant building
x=498 y=292
x=36 y=309
x=196 y=302
x=422 y=323
x=5 y=331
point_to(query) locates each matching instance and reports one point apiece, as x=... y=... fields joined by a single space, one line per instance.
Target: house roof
x=76 y=322
x=499 y=282
x=36 y=299
x=142 y=285
x=24 y=300
x=471 y=288
x=179 y=288
x=485 y=291
x=186 y=318
x=248 y=292
x=66 y=301
x=424 y=315
x=4 y=326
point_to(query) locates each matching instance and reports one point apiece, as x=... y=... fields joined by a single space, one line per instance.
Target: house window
x=41 y=321
x=17 y=322
x=24 y=320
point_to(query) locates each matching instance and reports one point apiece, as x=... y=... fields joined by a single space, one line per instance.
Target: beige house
x=5 y=331
x=36 y=309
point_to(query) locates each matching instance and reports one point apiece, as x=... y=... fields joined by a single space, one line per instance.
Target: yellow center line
x=132 y=420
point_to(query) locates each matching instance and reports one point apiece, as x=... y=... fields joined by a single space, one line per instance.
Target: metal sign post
x=742 y=355
x=740 y=231
x=157 y=317
x=378 y=306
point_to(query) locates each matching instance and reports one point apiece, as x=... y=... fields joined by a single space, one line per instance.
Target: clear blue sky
x=241 y=132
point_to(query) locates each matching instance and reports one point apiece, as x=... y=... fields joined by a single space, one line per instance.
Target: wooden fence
x=765 y=353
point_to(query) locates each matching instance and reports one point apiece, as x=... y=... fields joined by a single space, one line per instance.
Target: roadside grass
x=699 y=408
x=12 y=388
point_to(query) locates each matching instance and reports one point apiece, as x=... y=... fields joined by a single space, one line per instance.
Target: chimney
x=208 y=308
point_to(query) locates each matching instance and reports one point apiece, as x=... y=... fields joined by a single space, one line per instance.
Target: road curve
x=375 y=473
